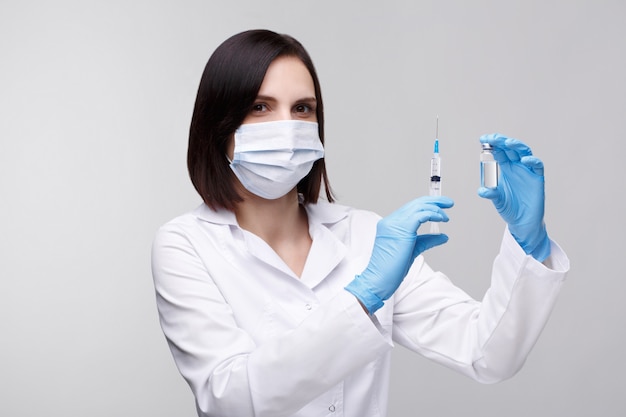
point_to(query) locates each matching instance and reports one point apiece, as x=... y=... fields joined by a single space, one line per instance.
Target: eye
x=304 y=109
x=258 y=108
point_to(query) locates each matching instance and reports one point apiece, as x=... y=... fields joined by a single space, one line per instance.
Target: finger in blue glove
x=396 y=246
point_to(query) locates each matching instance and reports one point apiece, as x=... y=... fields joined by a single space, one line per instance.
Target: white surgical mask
x=270 y=158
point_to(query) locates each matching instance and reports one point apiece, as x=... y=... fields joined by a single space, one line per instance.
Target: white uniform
x=253 y=339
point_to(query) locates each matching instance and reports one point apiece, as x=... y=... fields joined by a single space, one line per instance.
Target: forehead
x=287 y=73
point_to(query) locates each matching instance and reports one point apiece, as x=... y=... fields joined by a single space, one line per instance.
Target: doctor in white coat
x=275 y=302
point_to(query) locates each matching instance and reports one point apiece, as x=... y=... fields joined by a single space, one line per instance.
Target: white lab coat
x=253 y=339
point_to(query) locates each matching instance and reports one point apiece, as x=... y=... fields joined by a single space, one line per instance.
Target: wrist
x=370 y=301
x=536 y=244
x=542 y=249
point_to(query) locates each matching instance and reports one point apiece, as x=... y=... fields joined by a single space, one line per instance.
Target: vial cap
x=487 y=146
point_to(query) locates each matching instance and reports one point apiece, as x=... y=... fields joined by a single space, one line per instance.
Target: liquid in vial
x=488 y=167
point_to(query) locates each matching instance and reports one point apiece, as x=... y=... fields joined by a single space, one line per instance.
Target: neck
x=281 y=223
x=272 y=220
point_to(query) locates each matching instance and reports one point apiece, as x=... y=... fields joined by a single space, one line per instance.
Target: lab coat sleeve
x=489 y=340
x=230 y=375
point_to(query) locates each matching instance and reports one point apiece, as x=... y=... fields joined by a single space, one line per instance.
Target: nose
x=284 y=113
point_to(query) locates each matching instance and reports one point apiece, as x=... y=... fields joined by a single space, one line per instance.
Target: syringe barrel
x=435 y=176
x=435 y=166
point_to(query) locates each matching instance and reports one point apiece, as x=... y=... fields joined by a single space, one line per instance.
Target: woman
x=276 y=304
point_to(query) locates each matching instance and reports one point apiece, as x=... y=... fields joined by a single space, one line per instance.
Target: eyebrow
x=270 y=98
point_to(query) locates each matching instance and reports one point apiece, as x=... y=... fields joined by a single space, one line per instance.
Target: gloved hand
x=396 y=246
x=520 y=195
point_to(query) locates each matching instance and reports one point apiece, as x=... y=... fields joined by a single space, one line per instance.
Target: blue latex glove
x=520 y=195
x=396 y=246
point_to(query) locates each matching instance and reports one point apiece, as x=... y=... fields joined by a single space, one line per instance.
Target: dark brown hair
x=228 y=88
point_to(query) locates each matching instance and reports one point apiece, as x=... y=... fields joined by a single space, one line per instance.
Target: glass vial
x=488 y=168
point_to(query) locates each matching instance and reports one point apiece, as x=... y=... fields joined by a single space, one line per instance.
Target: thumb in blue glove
x=396 y=246
x=520 y=194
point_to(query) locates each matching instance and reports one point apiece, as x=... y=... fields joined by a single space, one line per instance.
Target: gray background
x=95 y=104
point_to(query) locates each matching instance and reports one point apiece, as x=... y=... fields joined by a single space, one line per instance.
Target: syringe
x=435 y=175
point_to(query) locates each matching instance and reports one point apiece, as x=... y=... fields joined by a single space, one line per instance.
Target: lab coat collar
x=325 y=213
x=221 y=216
x=326 y=252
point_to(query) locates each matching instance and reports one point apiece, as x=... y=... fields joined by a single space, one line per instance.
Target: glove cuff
x=370 y=301
x=542 y=250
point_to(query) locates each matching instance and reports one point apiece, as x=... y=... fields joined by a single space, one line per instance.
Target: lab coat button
x=332 y=408
x=308 y=306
